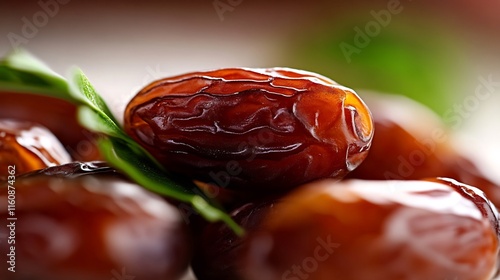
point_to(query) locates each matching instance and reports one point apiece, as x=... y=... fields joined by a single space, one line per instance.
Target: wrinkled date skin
x=411 y=143
x=58 y=115
x=85 y=221
x=251 y=129
x=357 y=230
x=25 y=146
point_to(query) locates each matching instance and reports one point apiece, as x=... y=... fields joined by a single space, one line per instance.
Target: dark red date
x=253 y=129
x=218 y=252
x=85 y=221
x=358 y=230
x=411 y=143
x=379 y=230
x=58 y=115
x=28 y=147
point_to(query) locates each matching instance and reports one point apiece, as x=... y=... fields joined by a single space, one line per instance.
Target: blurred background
x=437 y=52
x=441 y=53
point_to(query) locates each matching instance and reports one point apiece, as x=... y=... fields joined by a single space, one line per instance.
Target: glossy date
x=259 y=129
x=57 y=115
x=378 y=230
x=219 y=252
x=26 y=146
x=357 y=230
x=85 y=221
x=412 y=143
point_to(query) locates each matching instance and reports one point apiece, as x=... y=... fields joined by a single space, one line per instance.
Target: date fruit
x=85 y=221
x=58 y=115
x=411 y=143
x=28 y=146
x=379 y=230
x=252 y=129
x=218 y=251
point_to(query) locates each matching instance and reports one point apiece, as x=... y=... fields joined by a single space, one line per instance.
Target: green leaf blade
x=81 y=89
x=155 y=179
x=22 y=72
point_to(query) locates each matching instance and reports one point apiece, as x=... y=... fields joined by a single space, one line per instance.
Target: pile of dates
x=324 y=187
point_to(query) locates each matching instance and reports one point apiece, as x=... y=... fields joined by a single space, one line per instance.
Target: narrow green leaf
x=125 y=154
x=96 y=122
x=139 y=167
x=24 y=61
x=81 y=89
x=22 y=72
x=213 y=214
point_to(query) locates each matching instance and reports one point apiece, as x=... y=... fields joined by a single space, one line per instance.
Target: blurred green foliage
x=421 y=61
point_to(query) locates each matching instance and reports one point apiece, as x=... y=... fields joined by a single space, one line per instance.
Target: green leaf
x=23 y=60
x=94 y=114
x=138 y=166
x=21 y=72
x=127 y=155
x=93 y=121
x=82 y=90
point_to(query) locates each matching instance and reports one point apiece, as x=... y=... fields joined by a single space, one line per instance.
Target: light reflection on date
x=264 y=130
